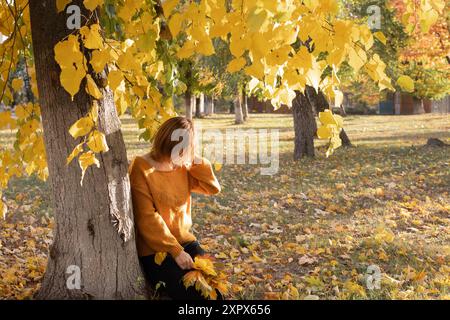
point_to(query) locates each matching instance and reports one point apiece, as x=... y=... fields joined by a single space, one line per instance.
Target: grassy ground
x=310 y=231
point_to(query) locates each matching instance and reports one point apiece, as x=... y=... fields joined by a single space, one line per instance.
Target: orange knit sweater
x=162 y=204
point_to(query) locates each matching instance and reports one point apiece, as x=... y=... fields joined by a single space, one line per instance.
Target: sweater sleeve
x=202 y=178
x=149 y=222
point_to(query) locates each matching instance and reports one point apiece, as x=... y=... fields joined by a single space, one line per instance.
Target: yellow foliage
x=17 y=84
x=92 y=88
x=61 y=4
x=91 y=37
x=86 y=160
x=236 y=64
x=92 y=4
x=205 y=265
x=160 y=257
x=82 y=127
x=97 y=142
x=406 y=83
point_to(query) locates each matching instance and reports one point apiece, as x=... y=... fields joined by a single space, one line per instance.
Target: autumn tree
x=94 y=221
x=425 y=58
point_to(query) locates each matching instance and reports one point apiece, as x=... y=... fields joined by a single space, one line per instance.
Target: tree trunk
x=320 y=103
x=188 y=104
x=304 y=125
x=197 y=107
x=418 y=106
x=209 y=110
x=238 y=114
x=94 y=229
x=244 y=105
x=202 y=103
x=344 y=105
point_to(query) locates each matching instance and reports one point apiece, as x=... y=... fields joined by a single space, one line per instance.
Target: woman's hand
x=184 y=261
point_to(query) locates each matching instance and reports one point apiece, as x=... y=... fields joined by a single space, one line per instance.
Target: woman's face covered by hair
x=174 y=142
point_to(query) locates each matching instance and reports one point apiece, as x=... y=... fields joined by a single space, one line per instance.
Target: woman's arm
x=149 y=222
x=202 y=178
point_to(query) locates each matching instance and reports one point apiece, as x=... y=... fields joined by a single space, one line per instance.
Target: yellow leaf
x=81 y=128
x=61 y=5
x=327 y=117
x=340 y=186
x=379 y=192
x=205 y=47
x=291 y=293
x=237 y=44
x=93 y=114
x=427 y=19
x=160 y=257
x=67 y=53
x=99 y=60
x=380 y=36
x=92 y=88
x=217 y=166
x=354 y=288
x=17 y=84
x=314 y=76
x=356 y=58
x=258 y=20
x=71 y=79
x=186 y=50
x=204 y=264
x=406 y=83
x=86 y=160
x=7 y=120
x=76 y=151
x=175 y=23
x=24 y=111
x=115 y=79
x=92 y=4
x=91 y=37
x=168 y=6
x=97 y=142
x=255 y=258
x=338 y=98
x=236 y=64
x=383 y=234
x=3 y=208
x=197 y=279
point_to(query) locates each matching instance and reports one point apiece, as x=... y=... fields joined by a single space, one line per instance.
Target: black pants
x=172 y=275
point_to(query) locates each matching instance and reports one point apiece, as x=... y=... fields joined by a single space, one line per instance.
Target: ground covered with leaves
x=315 y=230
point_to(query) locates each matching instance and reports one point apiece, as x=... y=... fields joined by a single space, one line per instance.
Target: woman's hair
x=177 y=131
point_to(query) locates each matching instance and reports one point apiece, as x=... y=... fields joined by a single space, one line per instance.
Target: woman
x=161 y=186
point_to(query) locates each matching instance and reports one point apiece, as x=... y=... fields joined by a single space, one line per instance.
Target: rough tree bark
x=304 y=126
x=320 y=103
x=94 y=227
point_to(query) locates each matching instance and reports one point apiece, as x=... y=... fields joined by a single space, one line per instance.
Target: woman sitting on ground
x=161 y=185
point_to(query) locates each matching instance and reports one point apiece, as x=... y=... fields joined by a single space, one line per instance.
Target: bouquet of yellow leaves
x=205 y=279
